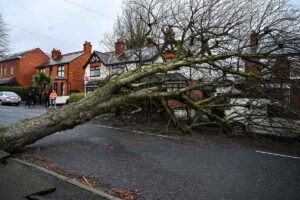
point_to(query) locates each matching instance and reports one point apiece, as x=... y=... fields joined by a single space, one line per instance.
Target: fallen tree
x=213 y=42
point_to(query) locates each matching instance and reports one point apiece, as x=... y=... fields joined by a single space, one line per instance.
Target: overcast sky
x=61 y=20
x=71 y=25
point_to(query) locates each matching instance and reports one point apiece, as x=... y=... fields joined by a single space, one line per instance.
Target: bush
x=74 y=97
x=21 y=91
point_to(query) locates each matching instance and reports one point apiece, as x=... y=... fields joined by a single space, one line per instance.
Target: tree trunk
x=103 y=100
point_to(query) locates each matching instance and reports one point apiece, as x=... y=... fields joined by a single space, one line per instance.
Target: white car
x=9 y=98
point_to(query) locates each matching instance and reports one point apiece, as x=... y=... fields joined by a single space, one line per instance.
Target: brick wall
x=8 y=64
x=295 y=94
x=282 y=67
x=28 y=63
x=76 y=73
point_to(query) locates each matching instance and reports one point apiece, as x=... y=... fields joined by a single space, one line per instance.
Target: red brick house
x=18 y=69
x=66 y=70
x=101 y=66
x=282 y=77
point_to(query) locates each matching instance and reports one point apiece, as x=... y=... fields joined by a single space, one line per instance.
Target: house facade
x=17 y=69
x=282 y=76
x=103 y=66
x=66 y=70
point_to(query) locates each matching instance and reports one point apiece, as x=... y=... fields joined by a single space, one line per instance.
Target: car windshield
x=11 y=94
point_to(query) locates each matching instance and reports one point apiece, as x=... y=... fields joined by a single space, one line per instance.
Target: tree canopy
x=3 y=37
x=229 y=47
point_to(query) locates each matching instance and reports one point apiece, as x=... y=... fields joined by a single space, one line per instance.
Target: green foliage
x=21 y=91
x=41 y=81
x=74 y=97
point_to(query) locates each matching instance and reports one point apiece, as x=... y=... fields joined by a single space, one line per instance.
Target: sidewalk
x=20 y=180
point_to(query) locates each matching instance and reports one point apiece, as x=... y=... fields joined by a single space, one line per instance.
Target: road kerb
x=66 y=179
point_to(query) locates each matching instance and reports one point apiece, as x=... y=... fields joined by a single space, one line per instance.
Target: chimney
x=119 y=47
x=253 y=41
x=55 y=53
x=251 y=67
x=87 y=47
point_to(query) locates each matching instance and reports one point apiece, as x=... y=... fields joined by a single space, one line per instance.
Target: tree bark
x=103 y=100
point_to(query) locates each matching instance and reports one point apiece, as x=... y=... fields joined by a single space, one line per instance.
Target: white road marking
x=276 y=154
x=5 y=110
x=139 y=132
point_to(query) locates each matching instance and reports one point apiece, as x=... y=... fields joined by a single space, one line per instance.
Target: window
x=55 y=87
x=62 y=89
x=116 y=70
x=50 y=71
x=95 y=71
x=61 y=71
x=12 y=70
x=42 y=70
x=4 y=71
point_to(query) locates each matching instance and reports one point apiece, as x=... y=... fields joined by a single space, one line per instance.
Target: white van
x=61 y=100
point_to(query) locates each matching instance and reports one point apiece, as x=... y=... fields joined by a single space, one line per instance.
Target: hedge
x=74 y=97
x=21 y=91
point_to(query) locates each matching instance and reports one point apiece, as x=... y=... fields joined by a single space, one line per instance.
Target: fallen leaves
x=88 y=181
x=124 y=193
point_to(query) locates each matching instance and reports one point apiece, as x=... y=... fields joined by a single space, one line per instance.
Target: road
x=11 y=114
x=162 y=168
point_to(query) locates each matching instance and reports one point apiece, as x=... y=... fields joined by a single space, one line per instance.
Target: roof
x=7 y=81
x=66 y=58
x=129 y=56
x=15 y=55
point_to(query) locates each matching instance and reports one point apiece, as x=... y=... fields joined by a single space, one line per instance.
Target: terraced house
x=66 y=70
x=17 y=69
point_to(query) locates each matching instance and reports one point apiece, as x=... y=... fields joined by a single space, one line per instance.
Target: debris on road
x=125 y=194
x=88 y=181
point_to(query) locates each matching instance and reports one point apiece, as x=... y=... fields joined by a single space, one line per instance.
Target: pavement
x=163 y=168
x=20 y=181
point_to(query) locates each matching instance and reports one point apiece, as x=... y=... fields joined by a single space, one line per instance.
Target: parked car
x=9 y=98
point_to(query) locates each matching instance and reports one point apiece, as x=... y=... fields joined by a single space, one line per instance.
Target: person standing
x=53 y=96
x=28 y=99
x=33 y=98
x=47 y=98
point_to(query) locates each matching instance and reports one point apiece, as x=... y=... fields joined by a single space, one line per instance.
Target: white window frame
x=61 y=73
x=12 y=71
x=95 y=69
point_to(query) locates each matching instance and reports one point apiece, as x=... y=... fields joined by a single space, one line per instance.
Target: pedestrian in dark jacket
x=47 y=98
x=33 y=98
x=28 y=99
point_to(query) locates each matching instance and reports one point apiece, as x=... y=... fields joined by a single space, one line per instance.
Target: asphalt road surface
x=11 y=114
x=167 y=169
